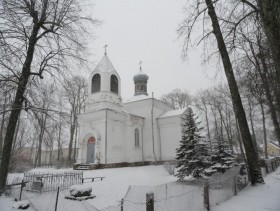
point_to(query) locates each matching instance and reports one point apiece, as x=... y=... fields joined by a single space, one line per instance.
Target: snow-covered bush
x=80 y=190
x=170 y=167
x=22 y=205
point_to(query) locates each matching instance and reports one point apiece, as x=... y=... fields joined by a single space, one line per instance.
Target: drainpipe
x=106 y=136
x=142 y=141
x=159 y=139
x=153 y=135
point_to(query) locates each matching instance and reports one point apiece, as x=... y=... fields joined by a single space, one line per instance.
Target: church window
x=114 y=84
x=142 y=87
x=91 y=140
x=137 y=137
x=95 y=83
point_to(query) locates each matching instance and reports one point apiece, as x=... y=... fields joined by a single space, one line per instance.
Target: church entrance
x=90 y=150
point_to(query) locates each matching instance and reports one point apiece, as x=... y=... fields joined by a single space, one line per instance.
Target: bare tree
x=36 y=37
x=75 y=92
x=177 y=99
x=269 y=11
x=186 y=29
x=252 y=158
x=201 y=103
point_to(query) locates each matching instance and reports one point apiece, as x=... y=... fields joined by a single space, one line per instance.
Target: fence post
x=206 y=195
x=41 y=185
x=150 y=201
x=121 y=204
x=235 y=185
x=56 y=202
x=266 y=168
x=21 y=187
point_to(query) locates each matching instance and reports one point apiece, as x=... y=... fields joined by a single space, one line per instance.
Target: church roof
x=177 y=112
x=104 y=65
x=137 y=98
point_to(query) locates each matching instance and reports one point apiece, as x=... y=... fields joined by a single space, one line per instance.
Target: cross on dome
x=140 y=64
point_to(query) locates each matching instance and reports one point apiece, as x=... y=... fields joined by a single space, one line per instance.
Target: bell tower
x=104 y=86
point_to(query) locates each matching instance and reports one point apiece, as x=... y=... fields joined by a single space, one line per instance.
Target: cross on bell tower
x=105 y=47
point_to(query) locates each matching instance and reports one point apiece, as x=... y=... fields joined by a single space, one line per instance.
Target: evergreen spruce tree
x=192 y=155
x=222 y=156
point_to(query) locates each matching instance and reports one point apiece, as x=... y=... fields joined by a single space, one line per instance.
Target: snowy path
x=261 y=198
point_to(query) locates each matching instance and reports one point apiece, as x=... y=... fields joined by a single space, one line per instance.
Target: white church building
x=141 y=130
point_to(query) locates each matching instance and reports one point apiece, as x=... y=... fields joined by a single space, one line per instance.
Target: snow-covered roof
x=104 y=65
x=275 y=145
x=136 y=98
x=136 y=115
x=177 y=112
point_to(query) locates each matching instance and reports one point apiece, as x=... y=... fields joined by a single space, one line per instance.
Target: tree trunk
x=9 y=137
x=2 y=125
x=264 y=131
x=221 y=123
x=32 y=151
x=207 y=124
x=252 y=127
x=51 y=152
x=72 y=131
x=216 y=123
x=59 y=141
x=240 y=141
x=227 y=132
x=75 y=148
x=16 y=107
x=41 y=136
x=16 y=134
x=256 y=176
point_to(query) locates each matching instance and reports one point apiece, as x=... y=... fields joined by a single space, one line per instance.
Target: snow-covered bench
x=92 y=178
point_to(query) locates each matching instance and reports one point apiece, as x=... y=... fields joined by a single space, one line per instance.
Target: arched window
x=91 y=140
x=136 y=136
x=114 y=84
x=95 y=83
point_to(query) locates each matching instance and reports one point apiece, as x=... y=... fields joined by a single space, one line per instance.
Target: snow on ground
x=260 y=198
x=114 y=186
x=6 y=204
x=108 y=192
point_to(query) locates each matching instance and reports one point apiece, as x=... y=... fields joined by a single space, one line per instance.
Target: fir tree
x=222 y=156
x=192 y=155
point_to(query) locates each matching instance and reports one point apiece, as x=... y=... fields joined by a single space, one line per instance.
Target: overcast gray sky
x=145 y=30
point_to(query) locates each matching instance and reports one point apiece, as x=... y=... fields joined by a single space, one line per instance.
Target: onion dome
x=140 y=76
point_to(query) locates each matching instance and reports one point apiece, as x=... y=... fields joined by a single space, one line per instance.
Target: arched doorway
x=91 y=149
